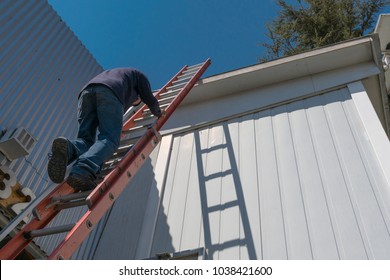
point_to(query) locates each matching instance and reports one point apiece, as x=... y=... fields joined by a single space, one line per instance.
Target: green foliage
x=307 y=24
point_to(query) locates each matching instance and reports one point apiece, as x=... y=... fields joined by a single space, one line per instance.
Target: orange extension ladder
x=140 y=135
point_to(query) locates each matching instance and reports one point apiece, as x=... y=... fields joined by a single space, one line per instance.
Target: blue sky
x=159 y=37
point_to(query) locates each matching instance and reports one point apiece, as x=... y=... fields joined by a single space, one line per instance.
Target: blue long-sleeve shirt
x=127 y=84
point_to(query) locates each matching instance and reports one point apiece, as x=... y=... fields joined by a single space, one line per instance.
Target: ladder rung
x=70 y=197
x=102 y=175
x=190 y=71
x=187 y=74
x=145 y=121
x=130 y=140
x=134 y=129
x=170 y=93
x=118 y=156
x=69 y=201
x=195 y=66
x=147 y=111
x=110 y=164
x=165 y=100
x=176 y=86
x=129 y=114
x=36 y=214
x=120 y=152
x=48 y=231
x=105 y=171
x=181 y=79
x=71 y=204
x=123 y=148
x=135 y=132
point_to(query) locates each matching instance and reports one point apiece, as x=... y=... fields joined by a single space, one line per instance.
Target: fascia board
x=309 y=63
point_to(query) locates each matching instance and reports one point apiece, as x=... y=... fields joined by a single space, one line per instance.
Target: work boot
x=58 y=160
x=80 y=182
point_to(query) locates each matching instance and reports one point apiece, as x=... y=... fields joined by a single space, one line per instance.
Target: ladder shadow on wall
x=226 y=226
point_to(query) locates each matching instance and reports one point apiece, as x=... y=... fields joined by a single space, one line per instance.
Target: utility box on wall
x=17 y=143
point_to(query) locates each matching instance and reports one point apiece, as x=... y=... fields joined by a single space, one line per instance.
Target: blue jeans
x=98 y=110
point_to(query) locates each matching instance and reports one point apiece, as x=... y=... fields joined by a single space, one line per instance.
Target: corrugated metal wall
x=43 y=66
x=298 y=181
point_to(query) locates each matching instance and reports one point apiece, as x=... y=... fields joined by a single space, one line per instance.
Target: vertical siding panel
x=376 y=144
x=355 y=175
x=319 y=222
x=347 y=233
x=360 y=112
x=178 y=206
x=373 y=215
x=162 y=241
x=154 y=199
x=294 y=212
x=193 y=212
x=271 y=212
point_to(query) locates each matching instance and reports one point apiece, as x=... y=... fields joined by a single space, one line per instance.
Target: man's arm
x=146 y=95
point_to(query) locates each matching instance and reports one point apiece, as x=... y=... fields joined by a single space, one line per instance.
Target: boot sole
x=80 y=184
x=59 y=160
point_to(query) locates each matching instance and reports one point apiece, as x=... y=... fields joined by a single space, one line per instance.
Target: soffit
x=309 y=63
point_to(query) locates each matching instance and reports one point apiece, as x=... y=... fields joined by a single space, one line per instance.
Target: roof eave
x=283 y=69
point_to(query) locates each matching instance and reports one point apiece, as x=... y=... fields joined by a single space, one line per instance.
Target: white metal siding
x=43 y=66
x=298 y=181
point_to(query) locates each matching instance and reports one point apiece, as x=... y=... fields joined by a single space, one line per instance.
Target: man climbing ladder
x=102 y=103
x=140 y=135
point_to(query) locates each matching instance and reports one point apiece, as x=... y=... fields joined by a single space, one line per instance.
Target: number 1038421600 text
x=231 y=270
